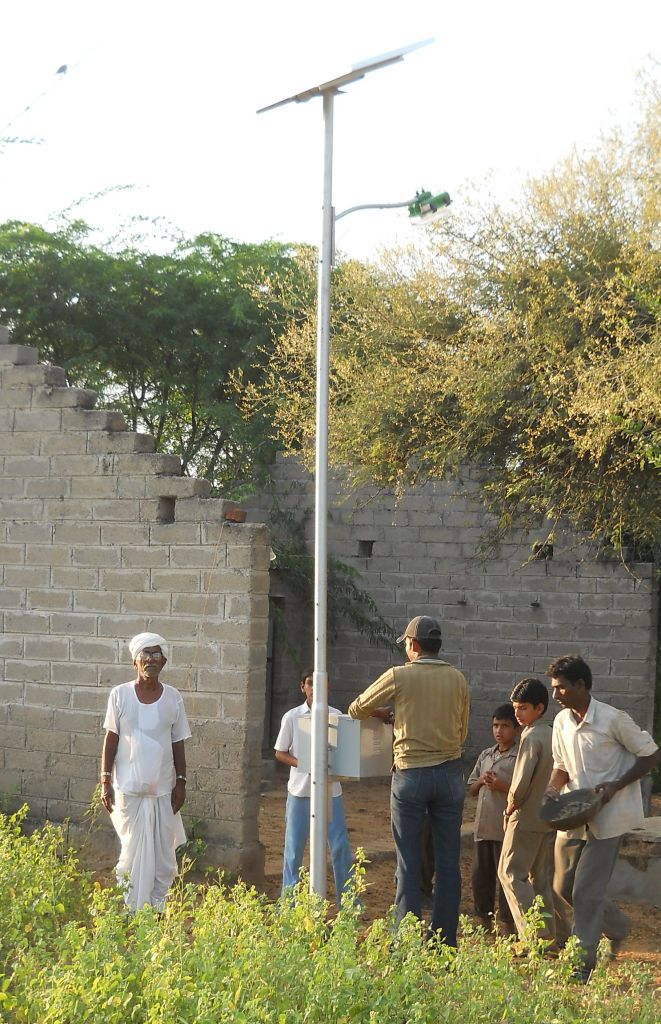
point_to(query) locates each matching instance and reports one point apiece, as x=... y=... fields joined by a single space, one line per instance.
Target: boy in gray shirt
x=490 y=782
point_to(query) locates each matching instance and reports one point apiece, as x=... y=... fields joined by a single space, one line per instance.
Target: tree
x=171 y=339
x=524 y=341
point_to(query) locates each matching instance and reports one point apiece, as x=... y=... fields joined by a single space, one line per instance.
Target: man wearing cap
x=143 y=774
x=431 y=704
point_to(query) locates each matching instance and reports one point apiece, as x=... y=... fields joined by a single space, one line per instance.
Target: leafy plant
x=222 y=954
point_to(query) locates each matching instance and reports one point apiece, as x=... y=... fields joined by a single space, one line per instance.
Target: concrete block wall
x=502 y=619
x=101 y=538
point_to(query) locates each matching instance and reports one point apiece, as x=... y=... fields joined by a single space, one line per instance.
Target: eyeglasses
x=146 y=655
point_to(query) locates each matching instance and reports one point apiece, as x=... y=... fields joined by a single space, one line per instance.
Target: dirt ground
x=368 y=817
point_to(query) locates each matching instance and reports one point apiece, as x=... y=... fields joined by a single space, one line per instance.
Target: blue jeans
x=297 y=833
x=439 y=790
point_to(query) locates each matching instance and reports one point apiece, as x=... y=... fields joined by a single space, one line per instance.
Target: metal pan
x=572 y=809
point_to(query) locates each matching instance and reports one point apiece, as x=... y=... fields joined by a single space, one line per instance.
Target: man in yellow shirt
x=431 y=704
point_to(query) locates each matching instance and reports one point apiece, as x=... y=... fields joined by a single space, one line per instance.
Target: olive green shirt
x=431 y=710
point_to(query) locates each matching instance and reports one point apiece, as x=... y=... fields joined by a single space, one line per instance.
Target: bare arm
x=640 y=767
x=179 y=791
x=108 y=755
x=559 y=779
x=476 y=786
x=286 y=758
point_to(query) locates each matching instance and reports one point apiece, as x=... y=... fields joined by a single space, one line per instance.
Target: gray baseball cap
x=422 y=627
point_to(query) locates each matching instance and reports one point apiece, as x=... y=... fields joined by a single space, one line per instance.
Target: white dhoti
x=149 y=833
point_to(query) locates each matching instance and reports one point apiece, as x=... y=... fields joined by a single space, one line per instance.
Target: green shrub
x=223 y=954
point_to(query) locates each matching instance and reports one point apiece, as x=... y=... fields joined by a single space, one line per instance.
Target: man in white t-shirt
x=143 y=774
x=297 y=813
x=595 y=746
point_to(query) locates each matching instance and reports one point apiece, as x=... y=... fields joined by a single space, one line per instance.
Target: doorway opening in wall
x=267 y=737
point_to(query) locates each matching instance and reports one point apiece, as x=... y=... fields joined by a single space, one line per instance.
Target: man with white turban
x=143 y=774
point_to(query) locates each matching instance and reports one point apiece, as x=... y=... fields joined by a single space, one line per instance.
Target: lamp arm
x=373 y=206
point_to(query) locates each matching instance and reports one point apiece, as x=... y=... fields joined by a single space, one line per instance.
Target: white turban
x=142 y=640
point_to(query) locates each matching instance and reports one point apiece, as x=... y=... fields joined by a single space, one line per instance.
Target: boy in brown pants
x=526 y=861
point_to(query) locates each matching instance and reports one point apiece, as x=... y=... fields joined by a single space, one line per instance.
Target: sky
x=162 y=97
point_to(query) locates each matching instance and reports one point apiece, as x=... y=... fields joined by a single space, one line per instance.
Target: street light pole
x=319 y=752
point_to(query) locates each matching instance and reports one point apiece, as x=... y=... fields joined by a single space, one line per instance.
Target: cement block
x=47 y=648
x=47 y=554
x=27 y=622
x=16 y=398
x=203 y=557
x=34 y=374
x=66 y=508
x=12 y=598
x=47 y=695
x=94 y=487
x=121 y=625
x=116 y=510
x=76 y=721
x=31 y=718
x=74 y=578
x=14 y=489
x=73 y=623
x=26 y=576
x=87 y=744
x=70 y=674
x=176 y=533
x=210 y=606
x=64 y=398
x=96 y=601
x=85 y=419
x=132 y=487
x=105 y=557
x=145 y=556
x=70 y=443
x=125 y=533
x=132 y=580
x=144 y=464
x=12 y=443
x=41 y=420
x=202 y=510
x=34 y=764
x=175 y=580
x=99 y=649
x=17 y=355
x=113 y=675
x=113 y=443
x=144 y=604
x=37 y=488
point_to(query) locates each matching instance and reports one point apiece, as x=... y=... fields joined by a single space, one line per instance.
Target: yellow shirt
x=431 y=710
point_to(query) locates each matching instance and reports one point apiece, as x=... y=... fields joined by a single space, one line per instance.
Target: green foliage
x=172 y=339
x=523 y=341
x=41 y=888
x=221 y=954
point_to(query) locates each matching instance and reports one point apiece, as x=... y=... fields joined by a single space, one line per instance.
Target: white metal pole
x=319 y=775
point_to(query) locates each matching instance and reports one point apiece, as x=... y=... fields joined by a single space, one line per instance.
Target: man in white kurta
x=143 y=775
